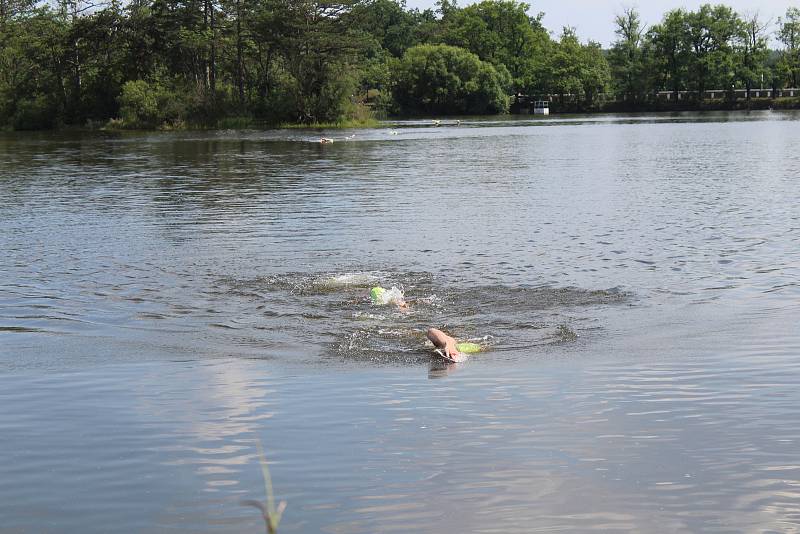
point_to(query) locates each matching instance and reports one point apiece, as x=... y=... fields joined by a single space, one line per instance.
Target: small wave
x=223 y=326
x=151 y=315
x=565 y=334
x=324 y=282
x=508 y=299
x=23 y=329
x=366 y=316
x=383 y=346
x=358 y=279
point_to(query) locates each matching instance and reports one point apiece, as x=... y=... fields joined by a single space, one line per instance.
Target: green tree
x=443 y=79
x=751 y=42
x=13 y=8
x=100 y=46
x=236 y=46
x=34 y=88
x=393 y=30
x=595 y=71
x=576 y=69
x=789 y=34
x=502 y=33
x=712 y=62
x=667 y=47
x=273 y=86
x=149 y=105
x=322 y=52
x=393 y=27
x=626 y=57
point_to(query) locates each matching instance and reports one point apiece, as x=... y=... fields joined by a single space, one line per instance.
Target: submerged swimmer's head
x=376 y=294
x=468 y=348
x=381 y=296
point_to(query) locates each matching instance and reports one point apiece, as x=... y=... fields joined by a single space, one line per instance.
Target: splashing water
x=389 y=296
x=359 y=279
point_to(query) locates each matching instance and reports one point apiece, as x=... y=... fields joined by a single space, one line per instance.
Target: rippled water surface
x=170 y=300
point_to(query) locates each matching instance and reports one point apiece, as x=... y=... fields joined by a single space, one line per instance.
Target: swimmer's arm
x=443 y=341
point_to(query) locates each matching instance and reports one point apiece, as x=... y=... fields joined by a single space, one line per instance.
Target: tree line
x=170 y=63
x=711 y=48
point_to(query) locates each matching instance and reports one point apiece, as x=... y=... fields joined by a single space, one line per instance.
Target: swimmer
x=448 y=348
x=382 y=296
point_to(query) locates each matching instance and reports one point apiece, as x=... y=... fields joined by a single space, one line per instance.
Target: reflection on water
x=168 y=299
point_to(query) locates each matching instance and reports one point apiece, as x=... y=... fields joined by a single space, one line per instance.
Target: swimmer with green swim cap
x=381 y=296
x=449 y=348
x=376 y=293
x=445 y=345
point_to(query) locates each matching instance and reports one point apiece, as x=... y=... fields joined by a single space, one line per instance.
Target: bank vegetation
x=218 y=63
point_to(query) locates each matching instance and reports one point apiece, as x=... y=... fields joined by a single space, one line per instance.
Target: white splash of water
x=391 y=296
x=348 y=279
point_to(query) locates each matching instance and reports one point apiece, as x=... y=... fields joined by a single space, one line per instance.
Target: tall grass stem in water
x=271 y=515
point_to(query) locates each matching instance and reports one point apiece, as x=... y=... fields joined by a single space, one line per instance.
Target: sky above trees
x=594 y=19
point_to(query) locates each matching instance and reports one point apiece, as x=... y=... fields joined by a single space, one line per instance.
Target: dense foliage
x=446 y=79
x=167 y=63
x=711 y=48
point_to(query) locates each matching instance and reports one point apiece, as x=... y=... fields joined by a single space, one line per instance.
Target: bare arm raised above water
x=444 y=343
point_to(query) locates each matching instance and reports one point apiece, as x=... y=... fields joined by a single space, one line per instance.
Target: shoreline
x=754 y=104
x=241 y=123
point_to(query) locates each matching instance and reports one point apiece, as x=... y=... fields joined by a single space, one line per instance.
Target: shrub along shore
x=174 y=64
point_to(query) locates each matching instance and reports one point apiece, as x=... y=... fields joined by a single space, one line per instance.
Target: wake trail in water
x=338 y=312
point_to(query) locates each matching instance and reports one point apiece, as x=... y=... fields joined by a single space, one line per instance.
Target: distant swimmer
x=325 y=140
x=392 y=132
x=449 y=349
x=437 y=122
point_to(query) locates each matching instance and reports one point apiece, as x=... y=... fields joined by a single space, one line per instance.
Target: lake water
x=170 y=300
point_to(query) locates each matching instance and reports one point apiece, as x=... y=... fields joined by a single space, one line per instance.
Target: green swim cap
x=376 y=293
x=468 y=348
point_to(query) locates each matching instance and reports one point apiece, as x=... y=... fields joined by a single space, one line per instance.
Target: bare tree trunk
x=205 y=65
x=239 y=53
x=213 y=58
x=209 y=61
x=77 y=73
